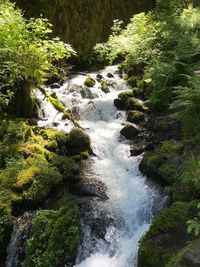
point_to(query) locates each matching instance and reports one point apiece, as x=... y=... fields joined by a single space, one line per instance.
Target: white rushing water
x=132 y=201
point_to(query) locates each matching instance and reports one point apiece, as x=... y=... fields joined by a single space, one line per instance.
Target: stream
x=110 y=229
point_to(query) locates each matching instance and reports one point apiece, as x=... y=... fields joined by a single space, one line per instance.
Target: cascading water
x=132 y=201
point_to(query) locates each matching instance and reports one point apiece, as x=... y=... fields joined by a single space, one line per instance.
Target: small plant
x=194 y=225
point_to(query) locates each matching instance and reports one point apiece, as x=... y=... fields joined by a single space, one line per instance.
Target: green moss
x=77 y=142
x=56 y=103
x=168 y=172
x=85 y=154
x=150 y=164
x=135 y=116
x=67 y=167
x=135 y=104
x=54 y=238
x=6 y=223
x=167 y=235
x=171 y=147
x=89 y=82
x=105 y=86
x=125 y=95
x=14 y=131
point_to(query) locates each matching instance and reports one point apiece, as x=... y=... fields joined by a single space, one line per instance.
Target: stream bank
x=107 y=195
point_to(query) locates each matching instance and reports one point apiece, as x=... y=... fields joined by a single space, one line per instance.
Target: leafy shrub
x=27 y=54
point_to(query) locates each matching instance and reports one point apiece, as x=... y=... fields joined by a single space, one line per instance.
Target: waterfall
x=20 y=233
x=110 y=230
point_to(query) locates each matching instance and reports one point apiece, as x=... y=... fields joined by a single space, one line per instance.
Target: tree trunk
x=23 y=102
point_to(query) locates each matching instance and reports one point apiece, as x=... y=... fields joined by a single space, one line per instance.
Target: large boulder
x=167 y=236
x=135 y=116
x=130 y=132
x=78 y=141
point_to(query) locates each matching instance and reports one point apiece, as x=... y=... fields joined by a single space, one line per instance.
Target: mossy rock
x=167 y=235
x=135 y=116
x=169 y=147
x=6 y=224
x=36 y=180
x=168 y=173
x=54 y=238
x=130 y=132
x=187 y=257
x=125 y=95
x=105 y=86
x=135 y=104
x=89 y=82
x=67 y=167
x=150 y=164
x=78 y=141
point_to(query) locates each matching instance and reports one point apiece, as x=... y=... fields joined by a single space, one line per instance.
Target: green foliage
x=54 y=237
x=84 y=31
x=27 y=51
x=194 y=225
x=161 y=51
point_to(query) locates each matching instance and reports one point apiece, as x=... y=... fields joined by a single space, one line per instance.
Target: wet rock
x=167 y=237
x=87 y=190
x=191 y=257
x=86 y=93
x=138 y=149
x=105 y=87
x=150 y=164
x=90 y=82
x=100 y=225
x=135 y=104
x=99 y=77
x=119 y=104
x=135 y=116
x=55 y=86
x=129 y=132
x=110 y=75
x=76 y=113
x=56 y=124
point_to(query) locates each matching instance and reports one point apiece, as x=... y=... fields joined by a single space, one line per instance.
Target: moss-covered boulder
x=167 y=235
x=129 y=132
x=6 y=224
x=126 y=101
x=150 y=164
x=164 y=164
x=67 y=167
x=89 y=82
x=78 y=141
x=187 y=187
x=105 y=86
x=33 y=179
x=135 y=116
x=54 y=238
x=125 y=95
